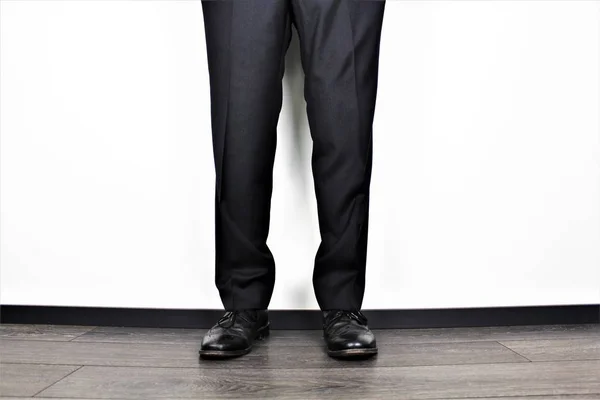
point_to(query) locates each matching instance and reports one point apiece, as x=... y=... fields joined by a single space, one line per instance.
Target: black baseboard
x=303 y=319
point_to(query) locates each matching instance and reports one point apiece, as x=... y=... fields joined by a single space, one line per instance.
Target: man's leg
x=246 y=44
x=340 y=55
x=340 y=51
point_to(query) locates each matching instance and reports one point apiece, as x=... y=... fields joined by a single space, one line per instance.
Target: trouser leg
x=246 y=44
x=340 y=54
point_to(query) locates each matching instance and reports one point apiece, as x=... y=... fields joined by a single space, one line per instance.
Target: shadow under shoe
x=234 y=334
x=347 y=335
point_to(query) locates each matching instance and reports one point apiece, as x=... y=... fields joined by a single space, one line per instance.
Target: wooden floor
x=67 y=362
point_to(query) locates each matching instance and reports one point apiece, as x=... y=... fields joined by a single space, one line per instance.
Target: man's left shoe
x=235 y=333
x=347 y=334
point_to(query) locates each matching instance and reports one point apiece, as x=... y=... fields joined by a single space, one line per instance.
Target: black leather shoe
x=235 y=334
x=347 y=334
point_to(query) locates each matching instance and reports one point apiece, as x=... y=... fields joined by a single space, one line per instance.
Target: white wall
x=486 y=185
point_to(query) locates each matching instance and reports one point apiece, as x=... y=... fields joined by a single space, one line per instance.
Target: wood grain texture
x=384 y=336
x=495 y=333
x=193 y=336
x=593 y=396
x=448 y=382
x=28 y=379
x=460 y=363
x=109 y=334
x=112 y=354
x=556 y=350
x=262 y=356
x=42 y=332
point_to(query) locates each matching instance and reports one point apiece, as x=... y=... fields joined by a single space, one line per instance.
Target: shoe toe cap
x=224 y=343
x=354 y=342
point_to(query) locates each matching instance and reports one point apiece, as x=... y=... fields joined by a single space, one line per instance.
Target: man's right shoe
x=347 y=335
x=235 y=334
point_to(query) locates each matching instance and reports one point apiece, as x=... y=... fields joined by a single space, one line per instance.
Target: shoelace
x=355 y=315
x=231 y=316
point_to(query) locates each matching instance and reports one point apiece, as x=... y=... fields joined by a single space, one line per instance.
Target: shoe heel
x=263 y=333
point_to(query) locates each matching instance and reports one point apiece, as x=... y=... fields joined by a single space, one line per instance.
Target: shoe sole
x=352 y=353
x=261 y=334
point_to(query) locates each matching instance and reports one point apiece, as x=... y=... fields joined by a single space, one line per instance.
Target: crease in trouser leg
x=222 y=278
x=340 y=42
x=247 y=44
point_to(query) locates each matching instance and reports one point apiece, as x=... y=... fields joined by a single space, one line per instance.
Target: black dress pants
x=246 y=45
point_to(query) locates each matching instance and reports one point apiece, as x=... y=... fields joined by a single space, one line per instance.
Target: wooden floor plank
x=138 y=363
x=168 y=336
x=449 y=382
x=593 y=396
x=495 y=333
x=262 y=356
x=28 y=379
x=384 y=336
x=556 y=350
x=42 y=332
x=109 y=334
